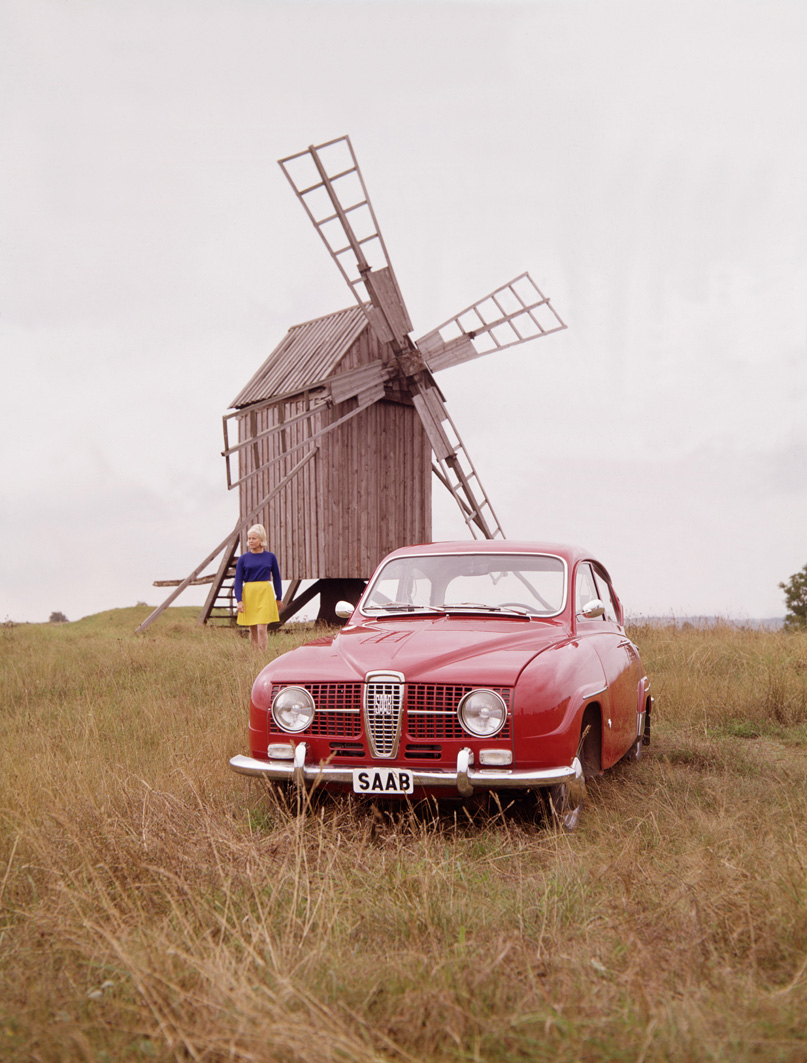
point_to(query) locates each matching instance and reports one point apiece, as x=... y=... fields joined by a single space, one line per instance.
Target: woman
x=258 y=590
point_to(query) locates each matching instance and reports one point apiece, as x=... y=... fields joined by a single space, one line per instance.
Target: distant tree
x=57 y=618
x=796 y=598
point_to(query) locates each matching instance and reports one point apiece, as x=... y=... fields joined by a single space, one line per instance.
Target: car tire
x=634 y=754
x=564 y=802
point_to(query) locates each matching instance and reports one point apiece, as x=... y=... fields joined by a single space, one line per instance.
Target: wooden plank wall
x=377 y=488
x=290 y=518
x=367 y=491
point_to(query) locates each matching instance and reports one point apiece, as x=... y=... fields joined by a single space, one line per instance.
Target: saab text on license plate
x=382 y=781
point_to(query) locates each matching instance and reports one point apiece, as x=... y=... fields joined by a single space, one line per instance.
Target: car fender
x=550 y=697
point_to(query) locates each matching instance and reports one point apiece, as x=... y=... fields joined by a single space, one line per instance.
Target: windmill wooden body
x=333 y=442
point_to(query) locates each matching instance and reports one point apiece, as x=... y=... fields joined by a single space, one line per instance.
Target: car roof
x=569 y=553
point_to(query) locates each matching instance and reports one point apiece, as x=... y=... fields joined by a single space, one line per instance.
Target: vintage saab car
x=465 y=668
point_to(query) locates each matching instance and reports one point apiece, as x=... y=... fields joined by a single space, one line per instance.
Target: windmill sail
x=329 y=184
x=515 y=313
x=455 y=470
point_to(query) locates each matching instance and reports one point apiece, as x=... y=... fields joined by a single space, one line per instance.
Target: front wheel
x=565 y=800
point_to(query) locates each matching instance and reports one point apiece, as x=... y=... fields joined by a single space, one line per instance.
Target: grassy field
x=156 y=907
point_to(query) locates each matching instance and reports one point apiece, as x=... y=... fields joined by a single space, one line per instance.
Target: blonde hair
x=260 y=531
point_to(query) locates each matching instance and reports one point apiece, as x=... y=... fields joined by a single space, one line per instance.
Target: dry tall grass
x=153 y=906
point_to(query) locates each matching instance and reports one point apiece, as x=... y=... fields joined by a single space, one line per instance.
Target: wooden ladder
x=220 y=607
x=222 y=610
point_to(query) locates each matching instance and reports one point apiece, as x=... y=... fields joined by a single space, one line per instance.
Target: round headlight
x=482 y=713
x=293 y=709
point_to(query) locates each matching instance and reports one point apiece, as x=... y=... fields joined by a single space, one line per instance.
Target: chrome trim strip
x=464 y=778
x=432 y=712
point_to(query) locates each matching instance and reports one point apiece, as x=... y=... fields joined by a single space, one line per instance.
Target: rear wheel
x=634 y=753
x=642 y=739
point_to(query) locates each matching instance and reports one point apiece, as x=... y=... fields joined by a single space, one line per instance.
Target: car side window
x=606 y=597
x=586 y=588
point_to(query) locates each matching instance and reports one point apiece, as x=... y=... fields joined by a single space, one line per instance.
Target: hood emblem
x=384 y=704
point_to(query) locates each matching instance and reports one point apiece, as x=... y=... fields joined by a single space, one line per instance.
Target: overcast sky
x=644 y=160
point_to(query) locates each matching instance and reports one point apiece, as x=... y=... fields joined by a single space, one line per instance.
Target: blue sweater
x=257 y=568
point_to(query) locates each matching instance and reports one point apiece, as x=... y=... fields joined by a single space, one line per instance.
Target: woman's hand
x=240 y=607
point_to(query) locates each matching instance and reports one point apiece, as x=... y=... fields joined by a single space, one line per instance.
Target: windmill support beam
x=243 y=523
x=330 y=591
x=186 y=582
x=292 y=605
x=288 y=597
x=369 y=398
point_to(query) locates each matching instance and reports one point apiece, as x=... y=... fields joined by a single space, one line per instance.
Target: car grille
x=422 y=712
x=383 y=704
x=432 y=711
x=338 y=712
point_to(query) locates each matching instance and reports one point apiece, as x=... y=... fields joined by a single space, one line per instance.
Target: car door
x=627 y=666
x=619 y=658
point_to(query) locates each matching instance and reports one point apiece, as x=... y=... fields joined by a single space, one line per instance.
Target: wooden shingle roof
x=308 y=355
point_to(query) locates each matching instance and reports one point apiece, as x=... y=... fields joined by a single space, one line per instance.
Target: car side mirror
x=591 y=610
x=344 y=610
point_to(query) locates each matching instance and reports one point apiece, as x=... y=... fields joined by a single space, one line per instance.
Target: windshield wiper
x=404 y=607
x=476 y=607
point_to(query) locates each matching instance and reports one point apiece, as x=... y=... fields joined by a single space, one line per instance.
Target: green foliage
x=796 y=598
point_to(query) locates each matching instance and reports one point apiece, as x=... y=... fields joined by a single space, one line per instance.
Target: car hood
x=465 y=650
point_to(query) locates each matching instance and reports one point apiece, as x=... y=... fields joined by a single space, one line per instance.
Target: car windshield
x=507 y=584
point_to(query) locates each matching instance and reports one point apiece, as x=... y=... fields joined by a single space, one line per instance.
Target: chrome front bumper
x=465 y=779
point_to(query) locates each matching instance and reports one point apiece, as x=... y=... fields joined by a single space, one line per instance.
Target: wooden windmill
x=338 y=433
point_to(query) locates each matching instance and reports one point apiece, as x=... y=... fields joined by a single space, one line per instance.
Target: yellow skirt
x=260 y=605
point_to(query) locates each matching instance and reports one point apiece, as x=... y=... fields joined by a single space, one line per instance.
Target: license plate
x=380 y=781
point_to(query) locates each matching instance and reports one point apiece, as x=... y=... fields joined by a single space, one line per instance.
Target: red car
x=466 y=667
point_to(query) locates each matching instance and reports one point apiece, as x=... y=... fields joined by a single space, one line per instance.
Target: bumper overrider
x=465 y=778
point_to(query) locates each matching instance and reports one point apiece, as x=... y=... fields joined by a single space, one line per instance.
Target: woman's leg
x=261 y=637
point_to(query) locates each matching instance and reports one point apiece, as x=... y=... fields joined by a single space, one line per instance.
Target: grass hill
x=154 y=906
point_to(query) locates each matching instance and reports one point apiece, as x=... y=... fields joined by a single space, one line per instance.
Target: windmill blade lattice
x=329 y=184
x=455 y=470
x=514 y=313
